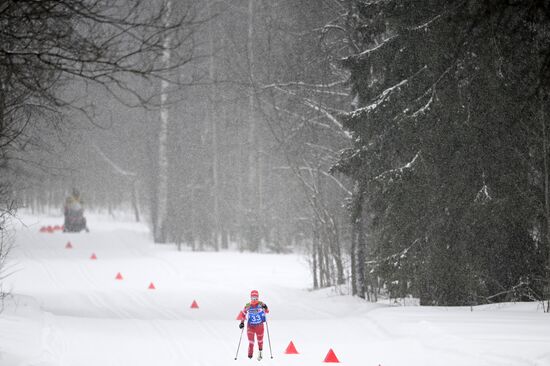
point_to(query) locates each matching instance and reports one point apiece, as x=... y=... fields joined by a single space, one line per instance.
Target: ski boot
x=260 y=355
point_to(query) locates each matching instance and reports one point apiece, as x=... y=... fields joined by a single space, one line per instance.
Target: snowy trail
x=76 y=313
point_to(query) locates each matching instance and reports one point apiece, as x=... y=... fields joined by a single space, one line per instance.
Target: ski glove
x=241 y=325
x=264 y=306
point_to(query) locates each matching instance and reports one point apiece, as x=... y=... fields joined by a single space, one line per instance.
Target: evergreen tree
x=444 y=157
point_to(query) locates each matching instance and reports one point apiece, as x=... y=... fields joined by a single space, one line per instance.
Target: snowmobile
x=75 y=221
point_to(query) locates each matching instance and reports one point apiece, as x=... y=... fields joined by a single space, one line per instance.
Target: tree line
x=401 y=145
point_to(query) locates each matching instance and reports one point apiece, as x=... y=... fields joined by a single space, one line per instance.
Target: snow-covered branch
x=323 y=148
x=305 y=85
x=426 y=24
x=394 y=257
x=328 y=175
x=483 y=195
x=115 y=167
x=424 y=108
x=319 y=108
x=400 y=170
x=383 y=96
x=300 y=117
x=367 y=52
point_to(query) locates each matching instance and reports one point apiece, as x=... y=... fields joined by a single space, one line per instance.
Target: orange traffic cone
x=194 y=305
x=118 y=276
x=291 y=350
x=331 y=357
x=151 y=286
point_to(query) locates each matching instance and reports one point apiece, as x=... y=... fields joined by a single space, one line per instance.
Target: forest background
x=401 y=146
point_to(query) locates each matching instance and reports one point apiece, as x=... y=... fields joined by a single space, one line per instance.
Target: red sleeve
x=244 y=311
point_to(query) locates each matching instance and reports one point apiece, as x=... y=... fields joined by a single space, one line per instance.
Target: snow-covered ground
x=66 y=309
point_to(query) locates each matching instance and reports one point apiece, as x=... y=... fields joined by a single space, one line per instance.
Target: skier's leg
x=250 y=333
x=260 y=336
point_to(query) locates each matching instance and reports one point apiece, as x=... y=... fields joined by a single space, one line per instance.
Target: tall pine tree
x=447 y=152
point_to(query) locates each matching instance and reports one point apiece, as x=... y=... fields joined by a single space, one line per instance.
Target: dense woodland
x=401 y=146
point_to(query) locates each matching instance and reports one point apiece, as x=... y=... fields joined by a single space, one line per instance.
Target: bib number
x=255 y=319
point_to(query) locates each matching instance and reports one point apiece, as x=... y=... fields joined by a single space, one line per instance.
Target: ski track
x=142 y=301
x=156 y=323
x=382 y=332
x=54 y=345
x=94 y=297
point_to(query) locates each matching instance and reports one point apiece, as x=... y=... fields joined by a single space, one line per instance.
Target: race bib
x=256 y=316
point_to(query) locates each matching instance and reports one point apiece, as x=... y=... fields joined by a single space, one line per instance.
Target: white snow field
x=66 y=309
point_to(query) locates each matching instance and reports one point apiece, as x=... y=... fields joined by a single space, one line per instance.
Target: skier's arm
x=244 y=312
x=243 y=315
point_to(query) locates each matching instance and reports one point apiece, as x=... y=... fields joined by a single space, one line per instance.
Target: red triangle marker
x=240 y=316
x=118 y=276
x=68 y=245
x=93 y=257
x=194 y=305
x=331 y=357
x=151 y=286
x=291 y=350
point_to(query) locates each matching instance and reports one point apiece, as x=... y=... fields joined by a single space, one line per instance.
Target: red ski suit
x=255 y=325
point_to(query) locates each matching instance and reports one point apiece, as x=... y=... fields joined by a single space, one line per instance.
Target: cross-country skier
x=255 y=310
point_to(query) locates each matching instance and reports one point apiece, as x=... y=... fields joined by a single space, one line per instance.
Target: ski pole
x=268 y=338
x=239 y=346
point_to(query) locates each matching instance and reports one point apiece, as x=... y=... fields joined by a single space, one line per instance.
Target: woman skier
x=255 y=310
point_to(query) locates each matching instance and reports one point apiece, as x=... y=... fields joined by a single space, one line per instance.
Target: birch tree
x=162 y=193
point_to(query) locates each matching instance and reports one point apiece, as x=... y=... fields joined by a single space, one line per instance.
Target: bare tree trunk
x=360 y=264
x=251 y=109
x=353 y=260
x=252 y=133
x=319 y=253
x=211 y=115
x=328 y=268
x=219 y=190
x=2 y=106
x=135 y=204
x=546 y=195
x=314 y=262
x=337 y=253
x=259 y=183
x=241 y=201
x=358 y=242
x=162 y=188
